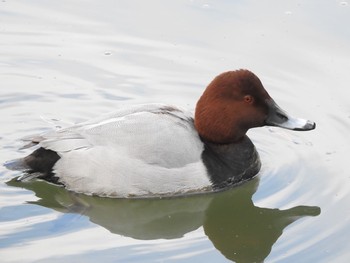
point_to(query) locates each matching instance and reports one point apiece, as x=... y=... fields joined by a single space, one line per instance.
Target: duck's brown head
x=236 y=101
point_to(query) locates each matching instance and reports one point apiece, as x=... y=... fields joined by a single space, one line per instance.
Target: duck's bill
x=278 y=117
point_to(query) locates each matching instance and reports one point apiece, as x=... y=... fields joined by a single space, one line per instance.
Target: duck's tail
x=16 y=165
x=20 y=165
x=39 y=164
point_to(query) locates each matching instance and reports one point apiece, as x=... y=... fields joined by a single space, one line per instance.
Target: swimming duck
x=153 y=150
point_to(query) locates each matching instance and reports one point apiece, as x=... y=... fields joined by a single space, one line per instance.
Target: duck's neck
x=218 y=138
x=219 y=130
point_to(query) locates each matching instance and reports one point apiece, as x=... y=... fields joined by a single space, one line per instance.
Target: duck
x=156 y=150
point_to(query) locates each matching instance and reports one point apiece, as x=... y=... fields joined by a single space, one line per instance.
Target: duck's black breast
x=230 y=164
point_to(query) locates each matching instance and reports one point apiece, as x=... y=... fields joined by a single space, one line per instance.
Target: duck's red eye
x=248 y=99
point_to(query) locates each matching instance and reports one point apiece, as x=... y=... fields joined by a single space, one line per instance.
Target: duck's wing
x=72 y=137
x=154 y=133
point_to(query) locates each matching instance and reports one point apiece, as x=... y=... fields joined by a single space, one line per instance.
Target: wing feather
x=154 y=133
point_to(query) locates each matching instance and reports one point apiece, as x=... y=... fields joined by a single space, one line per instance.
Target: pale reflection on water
x=240 y=230
x=72 y=60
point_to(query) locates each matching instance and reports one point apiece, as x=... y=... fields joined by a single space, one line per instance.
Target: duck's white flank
x=142 y=150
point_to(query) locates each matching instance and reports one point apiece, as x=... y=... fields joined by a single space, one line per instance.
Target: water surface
x=72 y=60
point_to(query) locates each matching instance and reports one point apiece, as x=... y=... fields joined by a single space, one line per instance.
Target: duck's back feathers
x=155 y=133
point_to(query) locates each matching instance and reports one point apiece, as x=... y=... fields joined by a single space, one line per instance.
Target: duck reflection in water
x=241 y=231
